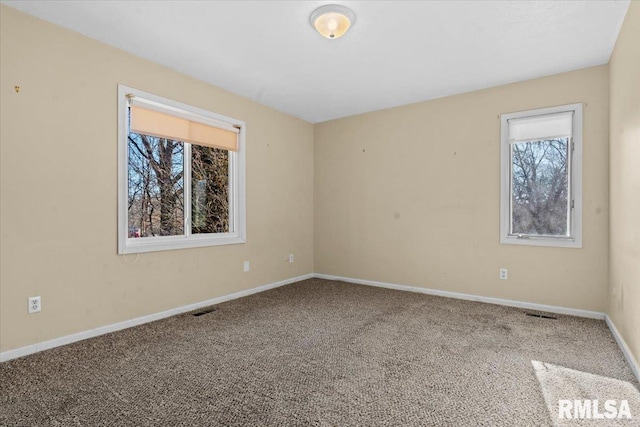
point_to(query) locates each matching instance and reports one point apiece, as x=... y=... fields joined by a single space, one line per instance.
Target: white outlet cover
x=35 y=305
x=247 y=266
x=291 y=258
x=504 y=274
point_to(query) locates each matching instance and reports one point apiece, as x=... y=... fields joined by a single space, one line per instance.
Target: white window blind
x=536 y=128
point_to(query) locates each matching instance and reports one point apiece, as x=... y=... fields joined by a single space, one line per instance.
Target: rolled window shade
x=538 y=128
x=163 y=125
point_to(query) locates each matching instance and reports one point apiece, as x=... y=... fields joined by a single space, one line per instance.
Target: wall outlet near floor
x=504 y=274
x=35 y=305
x=291 y=258
x=247 y=266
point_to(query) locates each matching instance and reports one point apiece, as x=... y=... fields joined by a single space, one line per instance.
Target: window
x=541 y=182
x=181 y=175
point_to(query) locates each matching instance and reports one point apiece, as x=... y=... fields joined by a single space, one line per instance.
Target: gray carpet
x=317 y=353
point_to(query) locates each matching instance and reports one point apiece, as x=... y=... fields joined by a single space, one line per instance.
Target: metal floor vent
x=541 y=316
x=203 y=312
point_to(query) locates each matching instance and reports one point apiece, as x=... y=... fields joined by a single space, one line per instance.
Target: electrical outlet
x=35 y=305
x=291 y=258
x=247 y=266
x=503 y=274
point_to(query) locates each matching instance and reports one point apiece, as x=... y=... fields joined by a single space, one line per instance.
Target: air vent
x=203 y=312
x=542 y=316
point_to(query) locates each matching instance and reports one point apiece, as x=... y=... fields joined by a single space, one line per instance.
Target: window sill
x=542 y=241
x=133 y=246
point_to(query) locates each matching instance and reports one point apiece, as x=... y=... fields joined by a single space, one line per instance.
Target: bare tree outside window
x=156 y=188
x=540 y=192
x=209 y=190
x=155 y=183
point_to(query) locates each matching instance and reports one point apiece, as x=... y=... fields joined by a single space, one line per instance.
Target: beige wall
x=410 y=196
x=59 y=194
x=624 y=270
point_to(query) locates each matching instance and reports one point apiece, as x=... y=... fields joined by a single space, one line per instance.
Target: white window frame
x=575 y=182
x=237 y=190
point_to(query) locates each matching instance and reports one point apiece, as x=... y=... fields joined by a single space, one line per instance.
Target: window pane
x=540 y=187
x=155 y=186
x=210 y=190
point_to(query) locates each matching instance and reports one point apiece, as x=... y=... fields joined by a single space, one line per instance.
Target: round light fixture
x=332 y=20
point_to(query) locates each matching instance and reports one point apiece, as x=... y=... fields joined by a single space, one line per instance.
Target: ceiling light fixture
x=332 y=20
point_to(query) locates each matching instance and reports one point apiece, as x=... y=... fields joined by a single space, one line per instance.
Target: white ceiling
x=398 y=52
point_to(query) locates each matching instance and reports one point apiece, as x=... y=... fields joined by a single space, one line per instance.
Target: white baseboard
x=470 y=297
x=68 y=339
x=633 y=363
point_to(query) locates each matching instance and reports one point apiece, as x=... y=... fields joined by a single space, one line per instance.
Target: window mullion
x=510 y=188
x=187 y=189
x=232 y=196
x=570 y=206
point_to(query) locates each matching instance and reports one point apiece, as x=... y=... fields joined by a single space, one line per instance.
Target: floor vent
x=203 y=312
x=542 y=316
